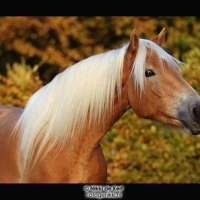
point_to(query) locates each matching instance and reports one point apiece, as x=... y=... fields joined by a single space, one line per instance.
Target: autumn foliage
x=34 y=49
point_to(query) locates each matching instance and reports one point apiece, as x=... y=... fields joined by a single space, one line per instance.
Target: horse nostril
x=196 y=111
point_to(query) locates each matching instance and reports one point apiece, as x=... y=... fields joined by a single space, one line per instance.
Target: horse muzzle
x=189 y=115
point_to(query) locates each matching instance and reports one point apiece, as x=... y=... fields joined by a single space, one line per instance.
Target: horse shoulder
x=9 y=165
x=65 y=167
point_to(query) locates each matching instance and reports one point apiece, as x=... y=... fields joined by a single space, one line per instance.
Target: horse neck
x=95 y=135
x=86 y=154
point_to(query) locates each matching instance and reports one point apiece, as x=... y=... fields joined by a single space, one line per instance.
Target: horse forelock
x=141 y=60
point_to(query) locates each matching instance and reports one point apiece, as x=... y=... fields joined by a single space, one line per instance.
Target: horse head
x=156 y=87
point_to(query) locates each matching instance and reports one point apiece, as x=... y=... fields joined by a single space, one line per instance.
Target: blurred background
x=34 y=49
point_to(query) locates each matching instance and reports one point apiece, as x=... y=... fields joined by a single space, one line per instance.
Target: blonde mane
x=83 y=91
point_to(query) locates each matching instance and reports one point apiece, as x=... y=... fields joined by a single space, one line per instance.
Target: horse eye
x=149 y=73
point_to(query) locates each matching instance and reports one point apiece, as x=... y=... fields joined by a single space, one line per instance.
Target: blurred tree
x=61 y=41
x=21 y=82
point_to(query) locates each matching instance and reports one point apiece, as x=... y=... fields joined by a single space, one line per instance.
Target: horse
x=56 y=137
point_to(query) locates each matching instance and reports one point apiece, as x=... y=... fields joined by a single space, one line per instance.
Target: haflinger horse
x=56 y=138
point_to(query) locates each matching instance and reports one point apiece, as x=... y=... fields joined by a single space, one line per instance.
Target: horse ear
x=130 y=55
x=134 y=41
x=160 y=38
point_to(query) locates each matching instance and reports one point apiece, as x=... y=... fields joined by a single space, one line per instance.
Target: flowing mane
x=83 y=91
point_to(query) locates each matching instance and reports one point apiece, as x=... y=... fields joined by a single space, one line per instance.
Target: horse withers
x=56 y=137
